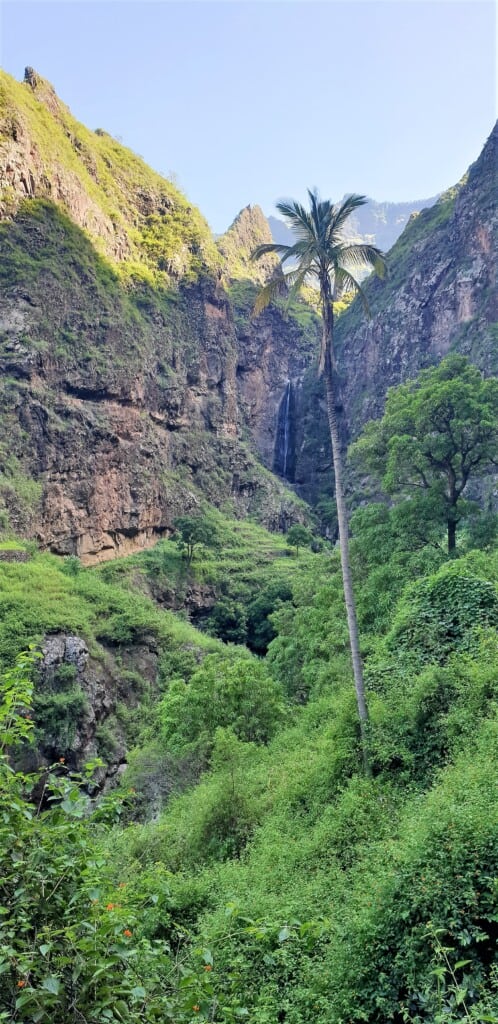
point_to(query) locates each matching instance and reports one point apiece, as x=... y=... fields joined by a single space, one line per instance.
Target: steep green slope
x=284 y=885
x=134 y=215
x=125 y=372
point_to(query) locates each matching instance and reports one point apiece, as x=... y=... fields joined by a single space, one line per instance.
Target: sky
x=249 y=102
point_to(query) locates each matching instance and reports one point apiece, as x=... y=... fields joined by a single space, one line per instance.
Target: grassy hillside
x=281 y=884
x=130 y=207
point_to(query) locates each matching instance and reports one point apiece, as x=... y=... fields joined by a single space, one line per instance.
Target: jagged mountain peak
x=249 y=229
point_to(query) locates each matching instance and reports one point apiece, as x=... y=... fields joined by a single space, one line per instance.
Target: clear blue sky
x=249 y=102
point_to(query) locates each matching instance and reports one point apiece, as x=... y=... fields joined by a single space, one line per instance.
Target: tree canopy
x=437 y=433
x=193 y=530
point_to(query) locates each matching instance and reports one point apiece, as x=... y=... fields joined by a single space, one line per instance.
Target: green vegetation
x=244 y=866
x=298 y=537
x=194 y=530
x=281 y=879
x=437 y=433
x=131 y=207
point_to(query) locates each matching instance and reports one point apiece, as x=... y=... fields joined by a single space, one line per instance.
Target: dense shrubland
x=273 y=880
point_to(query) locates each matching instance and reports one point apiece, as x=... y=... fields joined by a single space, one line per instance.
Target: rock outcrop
x=440 y=295
x=122 y=391
x=136 y=383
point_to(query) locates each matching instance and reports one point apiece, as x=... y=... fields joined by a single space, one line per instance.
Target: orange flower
x=127 y=933
x=208 y=967
x=196 y=1008
x=110 y=906
x=21 y=984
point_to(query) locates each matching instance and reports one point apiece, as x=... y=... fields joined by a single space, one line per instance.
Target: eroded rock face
x=271 y=354
x=123 y=403
x=67 y=671
x=127 y=410
x=440 y=295
x=76 y=696
x=127 y=406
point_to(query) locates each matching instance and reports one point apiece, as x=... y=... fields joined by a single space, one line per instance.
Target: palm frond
x=295 y=279
x=267 y=294
x=344 y=281
x=361 y=255
x=341 y=212
x=298 y=217
x=320 y=250
x=269 y=247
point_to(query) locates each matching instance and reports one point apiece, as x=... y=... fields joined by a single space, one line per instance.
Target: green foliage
x=194 y=530
x=298 y=536
x=309 y=891
x=73 y=945
x=166 y=236
x=441 y=614
x=387 y=553
x=436 y=434
x=233 y=691
x=59 y=707
x=228 y=621
x=260 y=628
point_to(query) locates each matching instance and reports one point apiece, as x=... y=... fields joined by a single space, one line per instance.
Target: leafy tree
x=192 y=531
x=437 y=432
x=321 y=254
x=228 y=621
x=298 y=536
x=235 y=693
x=260 y=628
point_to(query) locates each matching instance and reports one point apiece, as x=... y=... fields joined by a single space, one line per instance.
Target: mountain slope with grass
x=124 y=358
x=245 y=868
x=188 y=832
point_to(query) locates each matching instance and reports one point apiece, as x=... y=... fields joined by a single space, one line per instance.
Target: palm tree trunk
x=342 y=520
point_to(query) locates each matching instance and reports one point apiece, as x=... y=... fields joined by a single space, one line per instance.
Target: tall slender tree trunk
x=342 y=520
x=451 y=536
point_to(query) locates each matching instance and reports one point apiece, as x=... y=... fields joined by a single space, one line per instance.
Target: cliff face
x=273 y=351
x=440 y=295
x=135 y=382
x=121 y=359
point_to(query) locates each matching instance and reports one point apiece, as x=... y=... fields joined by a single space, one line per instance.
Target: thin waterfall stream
x=283 y=462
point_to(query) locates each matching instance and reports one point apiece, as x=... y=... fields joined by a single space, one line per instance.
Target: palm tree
x=322 y=255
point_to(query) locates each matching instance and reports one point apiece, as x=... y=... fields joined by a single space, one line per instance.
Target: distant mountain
x=378 y=223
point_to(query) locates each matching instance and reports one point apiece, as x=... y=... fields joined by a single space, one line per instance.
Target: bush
x=441 y=613
x=234 y=692
x=228 y=621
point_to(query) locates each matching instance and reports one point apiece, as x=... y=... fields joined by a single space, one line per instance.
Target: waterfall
x=283 y=462
x=286 y=426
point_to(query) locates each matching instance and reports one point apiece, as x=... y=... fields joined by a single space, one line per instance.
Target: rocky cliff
x=135 y=382
x=134 y=385
x=440 y=295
